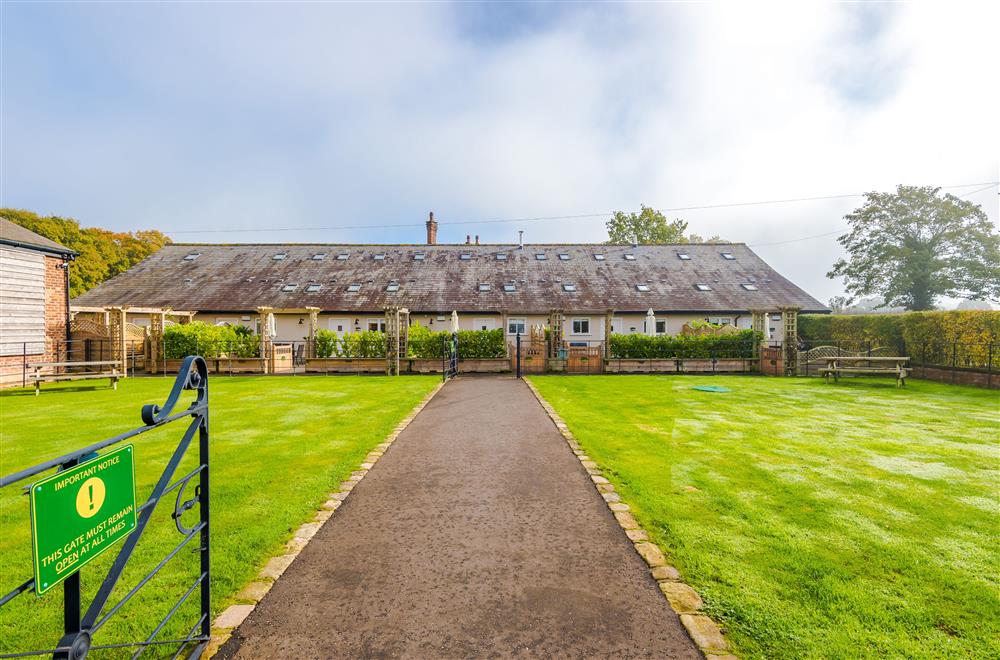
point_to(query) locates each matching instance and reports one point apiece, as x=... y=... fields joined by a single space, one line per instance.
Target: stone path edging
x=684 y=600
x=254 y=592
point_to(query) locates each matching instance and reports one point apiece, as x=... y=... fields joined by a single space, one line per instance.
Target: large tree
x=916 y=245
x=649 y=227
x=103 y=253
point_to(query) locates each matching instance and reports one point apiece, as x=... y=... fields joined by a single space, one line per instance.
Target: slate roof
x=241 y=277
x=18 y=236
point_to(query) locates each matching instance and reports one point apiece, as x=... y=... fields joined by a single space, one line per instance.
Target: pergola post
x=608 y=318
x=265 y=336
x=790 y=340
x=759 y=326
x=157 y=322
x=117 y=317
x=555 y=332
x=313 y=329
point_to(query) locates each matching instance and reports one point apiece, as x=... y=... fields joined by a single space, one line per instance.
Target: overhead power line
x=551 y=218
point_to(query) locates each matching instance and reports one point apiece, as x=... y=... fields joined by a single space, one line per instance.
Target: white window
x=353 y=288
x=581 y=326
x=279 y=256
x=419 y=256
x=720 y=320
x=599 y=257
x=342 y=256
x=729 y=256
x=192 y=256
x=501 y=256
x=563 y=256
x=392 y=287
x=484 y=324
x=288 y=288
x=320 y=256
x=541 y=256
x=313 y=288
x=643 y=288
x=661 y=327
x=516 y=326
x=702 y=287
x=684 y=256
x=749 y=287
x=510 y=287
x=377 y=324
x=484 y=286
x=569 y=287
x=629 y=256
x=340 y=326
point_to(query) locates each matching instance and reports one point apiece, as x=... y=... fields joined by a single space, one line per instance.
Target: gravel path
x=477 y=534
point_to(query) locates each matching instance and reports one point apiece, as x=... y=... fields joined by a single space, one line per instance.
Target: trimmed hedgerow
x=364 y=344
x=472 y=344
x=209 y=341
x=644 y=347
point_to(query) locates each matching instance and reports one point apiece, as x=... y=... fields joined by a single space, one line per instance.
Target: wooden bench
x=867 y=365
x=98 y=369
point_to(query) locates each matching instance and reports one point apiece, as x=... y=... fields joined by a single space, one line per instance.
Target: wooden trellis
x=556 y=327
x=397 y=324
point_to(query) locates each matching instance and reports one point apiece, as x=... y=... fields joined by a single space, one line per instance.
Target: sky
x=326 y=122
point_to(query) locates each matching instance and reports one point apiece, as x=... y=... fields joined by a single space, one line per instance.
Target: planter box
x=487 y=366
x=345 y=365
x=421 y=366
x=669 y=366
x=556 y=364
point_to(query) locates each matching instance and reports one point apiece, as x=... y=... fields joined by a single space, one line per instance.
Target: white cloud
x=230 y=115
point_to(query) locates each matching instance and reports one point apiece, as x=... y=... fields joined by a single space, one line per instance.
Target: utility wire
x=551 y=218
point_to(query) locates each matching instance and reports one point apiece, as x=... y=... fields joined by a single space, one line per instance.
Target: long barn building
x=514 y=287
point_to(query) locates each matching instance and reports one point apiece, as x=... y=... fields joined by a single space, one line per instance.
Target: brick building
x=34 y=300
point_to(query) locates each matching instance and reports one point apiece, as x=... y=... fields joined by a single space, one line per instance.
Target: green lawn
x=848 y=520
x=279 y=445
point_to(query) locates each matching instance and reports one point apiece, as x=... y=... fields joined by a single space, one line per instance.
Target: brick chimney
x=432 y=229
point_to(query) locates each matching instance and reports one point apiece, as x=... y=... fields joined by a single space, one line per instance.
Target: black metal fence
x=79 y=626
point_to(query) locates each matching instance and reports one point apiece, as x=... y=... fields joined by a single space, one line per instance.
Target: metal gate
x=449 y=356
x=79 y=627
x=528 y=355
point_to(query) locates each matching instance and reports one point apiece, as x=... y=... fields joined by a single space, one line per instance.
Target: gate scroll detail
x=79 y=626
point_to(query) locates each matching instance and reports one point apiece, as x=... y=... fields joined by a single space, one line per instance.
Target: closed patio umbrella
x=651 y=323
x=272 y=326
x=454 y=321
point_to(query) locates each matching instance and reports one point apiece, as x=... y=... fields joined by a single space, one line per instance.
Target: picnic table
x=48 y=372
x=867 y=365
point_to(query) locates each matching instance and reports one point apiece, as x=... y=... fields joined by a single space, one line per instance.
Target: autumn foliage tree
x=103 y=253
x=915 y=245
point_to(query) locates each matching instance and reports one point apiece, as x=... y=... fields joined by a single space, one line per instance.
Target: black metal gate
x=449 y=356
x=79 y=627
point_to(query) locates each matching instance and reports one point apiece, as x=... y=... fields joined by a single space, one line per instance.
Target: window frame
x=377 y=321
x=313 y=287
x=291 y=287
x=520 y=320
x=573 y=326
x=484 y=287
x=353 y=287
x=642 y=288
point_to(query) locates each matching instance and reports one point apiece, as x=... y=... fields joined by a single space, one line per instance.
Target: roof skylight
x=569 y=287
x=702 y=287
x=749 y=287
x=642 y=287
x=563 y=256
x=392 y=287
x=379 y=256
x=288 y=288
x=540 y=256
x=279 y=256
x=684 y=256
x=599 y=257
x=319 y=256
x=342 y=256
x=419 y=256
x=484 y=286
x=728 y=255
x=313 y=288
x=501 y=256
x=192 y=256
x=353 y=288
x=629 y=256
x=509 y=287
x=465 y=256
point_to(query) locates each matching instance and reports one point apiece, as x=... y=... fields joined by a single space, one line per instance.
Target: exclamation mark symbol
x=91 y=489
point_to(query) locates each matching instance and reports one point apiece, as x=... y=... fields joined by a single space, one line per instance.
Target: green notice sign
x=79 y=513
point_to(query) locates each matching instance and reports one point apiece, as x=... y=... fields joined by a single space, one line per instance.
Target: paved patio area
x=477 y=534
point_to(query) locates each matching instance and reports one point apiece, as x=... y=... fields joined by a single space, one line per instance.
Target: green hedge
x=209 y=341
x=472 y=344
x=644 y=347
x=364 y=344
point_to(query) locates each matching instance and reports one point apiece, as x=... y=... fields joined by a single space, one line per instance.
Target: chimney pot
x=477 y=239
x=432 y=229
x=468 y=239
